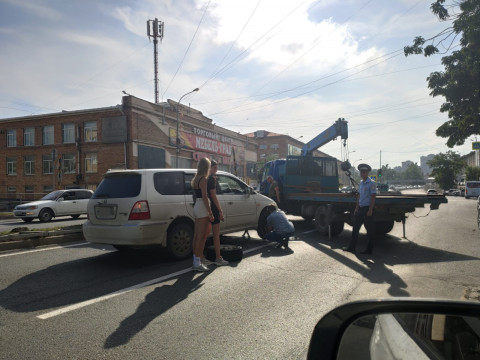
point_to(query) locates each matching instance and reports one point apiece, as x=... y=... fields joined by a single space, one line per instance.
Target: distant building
x=423 y=164
x=406 y=164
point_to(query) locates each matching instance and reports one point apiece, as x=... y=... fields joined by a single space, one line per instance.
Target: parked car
x=71 y=202
x=139 y=208
x=432 y=192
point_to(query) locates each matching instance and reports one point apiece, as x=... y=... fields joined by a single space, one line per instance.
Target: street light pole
x=177 y=140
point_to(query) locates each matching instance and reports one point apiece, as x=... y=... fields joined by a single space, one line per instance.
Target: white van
x=472 y=189
x=137 y=208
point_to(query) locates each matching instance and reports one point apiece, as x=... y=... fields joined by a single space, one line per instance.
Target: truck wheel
x=230 y=253
x=262 y=221
x=383 y=227
x=180 y=240
x=45 y=215
x=336 y=227
x=321 y=223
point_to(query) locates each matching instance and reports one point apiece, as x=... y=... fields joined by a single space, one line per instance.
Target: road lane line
x=109 y=296
x=126 y=290
x=309 y=231
x=44 y=249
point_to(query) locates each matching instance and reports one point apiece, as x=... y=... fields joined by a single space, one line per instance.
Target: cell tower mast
x=155 y=31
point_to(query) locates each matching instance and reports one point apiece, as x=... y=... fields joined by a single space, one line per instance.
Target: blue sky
x=287 y=66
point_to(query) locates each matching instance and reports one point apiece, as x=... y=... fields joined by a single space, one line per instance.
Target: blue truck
x=309 y=187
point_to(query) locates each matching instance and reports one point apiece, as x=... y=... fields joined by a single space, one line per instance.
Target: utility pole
x=155 y=31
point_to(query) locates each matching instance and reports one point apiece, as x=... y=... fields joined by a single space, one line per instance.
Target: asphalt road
x=88 y=302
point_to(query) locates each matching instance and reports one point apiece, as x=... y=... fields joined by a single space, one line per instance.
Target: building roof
x=61 y=113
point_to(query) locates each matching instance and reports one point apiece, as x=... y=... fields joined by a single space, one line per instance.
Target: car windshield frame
x=54 y=195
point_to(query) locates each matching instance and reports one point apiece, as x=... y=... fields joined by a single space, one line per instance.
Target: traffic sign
x=476 y=145
x=373 y=177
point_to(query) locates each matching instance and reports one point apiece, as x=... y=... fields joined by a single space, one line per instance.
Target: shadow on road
x=156 y=303
x=83 y=279
x=91 y=277
x=389 y=250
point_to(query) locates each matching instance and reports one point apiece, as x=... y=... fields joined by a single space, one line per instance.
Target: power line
x=188 y=48
x=213 y=74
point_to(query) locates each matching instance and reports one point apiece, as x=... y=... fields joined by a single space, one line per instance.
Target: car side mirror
x=398 y=328
x=60 y=199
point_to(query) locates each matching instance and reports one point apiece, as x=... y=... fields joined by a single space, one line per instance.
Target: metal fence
x=8 y=201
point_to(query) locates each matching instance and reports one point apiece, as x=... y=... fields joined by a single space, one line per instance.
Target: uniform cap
x=364 y=167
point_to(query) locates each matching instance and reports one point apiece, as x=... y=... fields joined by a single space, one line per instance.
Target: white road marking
x=126 y=290
x=309 y=231
x=44 y=249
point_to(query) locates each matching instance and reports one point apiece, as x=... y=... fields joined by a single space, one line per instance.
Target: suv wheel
x=262 y=221
x=180 y=240
x=45 y=215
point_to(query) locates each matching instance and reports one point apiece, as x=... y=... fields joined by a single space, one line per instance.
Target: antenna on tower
x=155 y=31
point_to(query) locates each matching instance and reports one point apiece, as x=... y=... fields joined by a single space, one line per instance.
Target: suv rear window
x=169 y=183
x=119 y=186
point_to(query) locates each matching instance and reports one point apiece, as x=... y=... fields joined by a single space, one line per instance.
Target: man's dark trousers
x=361 y=218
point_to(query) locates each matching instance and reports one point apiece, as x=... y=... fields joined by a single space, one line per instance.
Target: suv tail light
x=140 y=211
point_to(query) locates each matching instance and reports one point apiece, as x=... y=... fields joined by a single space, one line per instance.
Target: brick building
x=75 y=148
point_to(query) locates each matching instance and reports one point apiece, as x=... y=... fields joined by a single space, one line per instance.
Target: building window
x=29 y=165
x=274 y=146
x=262 y=146
x=90 y=131
x=47 y=164
x=48 y=135
x=47 y=189
x=68 y=163
x=11 y=189
x=91 y=163
x=68 y=133
x=92 y=187
x=29 y=188
x=11 y=138
x=29 y=137
x=11 y=166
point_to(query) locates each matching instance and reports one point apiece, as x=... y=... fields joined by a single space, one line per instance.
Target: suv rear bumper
x=132 y=234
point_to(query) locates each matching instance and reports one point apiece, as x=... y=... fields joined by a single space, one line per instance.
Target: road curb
x=30 y=241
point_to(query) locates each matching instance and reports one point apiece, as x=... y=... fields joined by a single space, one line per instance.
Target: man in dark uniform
x=367 y=191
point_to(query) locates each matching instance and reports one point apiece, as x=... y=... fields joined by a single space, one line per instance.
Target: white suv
x=58 y=203
x=135 y=208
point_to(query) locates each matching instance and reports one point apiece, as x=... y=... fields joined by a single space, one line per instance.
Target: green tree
x=472 y=173
x=388 y=173
x=460 y=82
x=413 y=172
x=445 y=168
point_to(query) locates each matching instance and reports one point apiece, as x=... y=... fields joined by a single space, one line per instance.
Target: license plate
x=106 y=212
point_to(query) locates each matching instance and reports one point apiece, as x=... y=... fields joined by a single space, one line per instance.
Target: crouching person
x=279 y=228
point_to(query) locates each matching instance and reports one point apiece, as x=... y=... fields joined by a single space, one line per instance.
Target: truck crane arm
x=339 y=128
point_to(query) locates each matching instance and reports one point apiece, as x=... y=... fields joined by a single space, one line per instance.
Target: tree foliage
x=472 y=173
x=459 y=84
x=445 y=168
x=413 y=172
